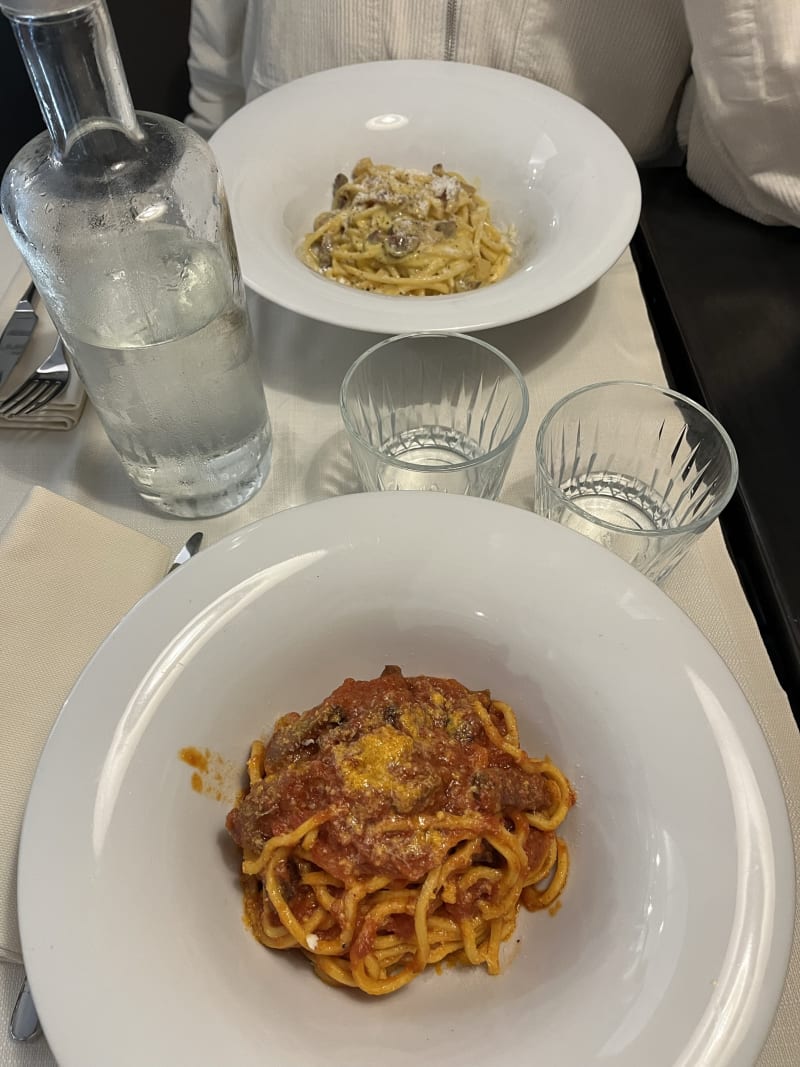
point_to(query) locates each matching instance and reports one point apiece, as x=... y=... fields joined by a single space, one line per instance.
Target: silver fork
x=44 y=384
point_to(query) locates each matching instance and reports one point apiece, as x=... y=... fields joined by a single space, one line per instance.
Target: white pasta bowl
x=672 y=941
x=548 y=167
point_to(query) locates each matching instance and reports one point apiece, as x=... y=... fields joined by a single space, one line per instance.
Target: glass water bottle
x=122 y=220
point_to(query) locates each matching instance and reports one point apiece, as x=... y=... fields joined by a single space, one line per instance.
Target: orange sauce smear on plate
x=213 y=776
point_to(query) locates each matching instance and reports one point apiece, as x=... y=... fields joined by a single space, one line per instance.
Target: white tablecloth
x=604 y=333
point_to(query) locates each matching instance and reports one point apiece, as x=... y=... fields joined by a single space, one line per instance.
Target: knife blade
x=15 y=336
x=191 y=548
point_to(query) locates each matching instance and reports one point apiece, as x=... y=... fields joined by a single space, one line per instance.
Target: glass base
x=217 y=497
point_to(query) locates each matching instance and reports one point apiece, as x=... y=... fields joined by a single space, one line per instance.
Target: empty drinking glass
x=433 y=411
x=638 y=468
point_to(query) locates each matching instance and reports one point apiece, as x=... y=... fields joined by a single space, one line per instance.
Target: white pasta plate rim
x=547 y=166
x=676 y=924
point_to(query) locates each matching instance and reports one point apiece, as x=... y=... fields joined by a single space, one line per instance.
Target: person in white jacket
x=719 y=77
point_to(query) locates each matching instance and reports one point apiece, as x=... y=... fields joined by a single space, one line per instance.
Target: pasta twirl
x=396 y=824
x=406 y=232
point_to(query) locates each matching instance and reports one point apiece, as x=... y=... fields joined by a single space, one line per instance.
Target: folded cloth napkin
x=63 y=412
x=67 y=577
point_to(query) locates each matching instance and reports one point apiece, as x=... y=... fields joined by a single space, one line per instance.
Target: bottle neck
x=76 y=72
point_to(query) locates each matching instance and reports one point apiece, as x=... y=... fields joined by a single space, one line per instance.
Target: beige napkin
x=67 y=576
x=63 y=412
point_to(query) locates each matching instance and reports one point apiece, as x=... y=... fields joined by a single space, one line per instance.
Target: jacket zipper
x=450 y=30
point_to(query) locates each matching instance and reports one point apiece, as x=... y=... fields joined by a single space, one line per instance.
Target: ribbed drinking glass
x=434 y=411
x=640 y=469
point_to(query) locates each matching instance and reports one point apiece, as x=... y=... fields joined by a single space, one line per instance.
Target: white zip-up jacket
x=629 y=61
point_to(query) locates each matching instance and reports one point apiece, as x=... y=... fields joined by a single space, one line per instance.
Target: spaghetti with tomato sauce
x=394 y=825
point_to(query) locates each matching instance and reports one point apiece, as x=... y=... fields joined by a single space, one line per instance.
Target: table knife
x=15 y=336
x=25 y=1025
